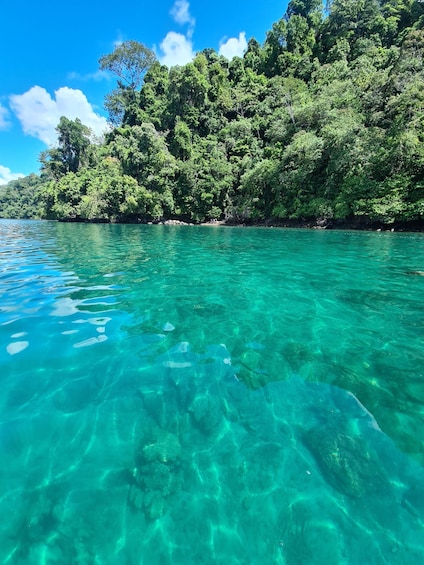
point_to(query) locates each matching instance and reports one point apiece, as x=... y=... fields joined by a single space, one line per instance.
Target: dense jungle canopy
x=325 y=120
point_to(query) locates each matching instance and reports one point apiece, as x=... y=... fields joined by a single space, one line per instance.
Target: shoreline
x=355 y=224
x=359 y=224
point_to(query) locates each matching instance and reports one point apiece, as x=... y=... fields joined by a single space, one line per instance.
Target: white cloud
x=4 y=115
x=39 y=113
x=6 y=175
x=177 y=49
x=234 y=47
x=181 y=13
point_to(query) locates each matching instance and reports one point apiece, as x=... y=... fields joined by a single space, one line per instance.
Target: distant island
x=321 y=126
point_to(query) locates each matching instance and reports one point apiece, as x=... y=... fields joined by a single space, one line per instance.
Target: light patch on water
x=64 y=307
x=99 y=321
x=90 y=341
x=101 y=329
x=69 y=332
x=168 y=327
x=20 y=334
x=176 y=365
x=94 y=321
x=17 y=347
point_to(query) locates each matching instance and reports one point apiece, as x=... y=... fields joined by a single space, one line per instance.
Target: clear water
x=185 y=395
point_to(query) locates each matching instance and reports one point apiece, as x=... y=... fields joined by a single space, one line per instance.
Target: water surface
x=190 y=395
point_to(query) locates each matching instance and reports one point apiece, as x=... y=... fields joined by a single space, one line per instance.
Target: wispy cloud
x=118 y=41
x=234 y=46
x=6 y=175
x=39 y=113
x=4 y=118
x=180 y=11
x=97 y=76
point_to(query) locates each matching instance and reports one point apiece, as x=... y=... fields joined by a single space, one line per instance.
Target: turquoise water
x=192 y=395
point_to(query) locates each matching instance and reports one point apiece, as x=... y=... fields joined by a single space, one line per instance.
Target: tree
x=353 y=20
x=129 y=62
x=73 y=151
x=188 y=89
x=204 y=183
x=19 y=198
x=154 y=95
x=304 y=8
x=74 y=142
x=144 y=155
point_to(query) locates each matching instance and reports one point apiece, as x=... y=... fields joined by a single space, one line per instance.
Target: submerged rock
x=206 y=413
x=156 y=476
x=345 y=462
x=153 y=503
x=308 y=539
x=136 y=497
x=164 y=448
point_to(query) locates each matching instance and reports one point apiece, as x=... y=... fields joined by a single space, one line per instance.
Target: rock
x=154 y=505
x=164 y=448
x=135 y=497
x=307 y=539
x=206 y=413
x=157 y=474
x=344 y=462
x=154 y=476
x=174 y=223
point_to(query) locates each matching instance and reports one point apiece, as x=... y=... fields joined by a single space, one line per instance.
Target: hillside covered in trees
x=325 y=121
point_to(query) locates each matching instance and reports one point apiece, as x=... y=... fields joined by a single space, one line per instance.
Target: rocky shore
x=361 y=224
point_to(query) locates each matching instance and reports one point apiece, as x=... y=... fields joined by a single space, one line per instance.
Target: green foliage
x=129 y=62
x=182 y=145
x=19 y=198
x=204 y=182
x=324 y=120
x=144 y=155
x=73 y=151
x=98 y=193
x=188 y=90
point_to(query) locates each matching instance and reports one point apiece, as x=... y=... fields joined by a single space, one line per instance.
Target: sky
x=49 y=54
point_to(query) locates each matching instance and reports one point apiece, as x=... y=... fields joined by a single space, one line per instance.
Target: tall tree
x=129 y=62
x=72 y=152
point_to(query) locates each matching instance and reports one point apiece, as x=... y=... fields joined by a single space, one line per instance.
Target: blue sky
x=50 y=53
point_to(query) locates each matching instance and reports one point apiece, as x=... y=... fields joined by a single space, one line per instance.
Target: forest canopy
x=324 y=120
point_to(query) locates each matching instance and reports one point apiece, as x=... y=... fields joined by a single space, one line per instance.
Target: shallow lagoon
x=210 y=395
